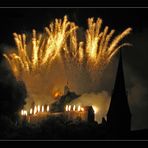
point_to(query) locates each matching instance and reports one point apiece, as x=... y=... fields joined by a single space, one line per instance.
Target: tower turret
x=66 y=89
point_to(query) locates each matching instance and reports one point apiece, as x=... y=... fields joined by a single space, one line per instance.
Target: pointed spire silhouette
x=120 y=82
x=119 y=116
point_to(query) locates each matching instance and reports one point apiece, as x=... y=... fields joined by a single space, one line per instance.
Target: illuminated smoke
x=46 y=62
x=99 y=101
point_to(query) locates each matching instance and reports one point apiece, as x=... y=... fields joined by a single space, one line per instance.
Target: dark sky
x=25 y=19
x=136 y=58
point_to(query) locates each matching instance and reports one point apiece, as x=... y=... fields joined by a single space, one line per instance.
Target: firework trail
x=45 y=47
x=98 y=49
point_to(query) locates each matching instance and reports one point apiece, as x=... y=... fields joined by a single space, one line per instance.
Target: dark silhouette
x=91 y=115
x=119 y=115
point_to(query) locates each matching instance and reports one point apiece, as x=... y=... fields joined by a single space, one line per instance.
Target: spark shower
x=47 y=60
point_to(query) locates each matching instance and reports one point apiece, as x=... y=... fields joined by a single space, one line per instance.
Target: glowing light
x=96 y=109
x=74 y=108
x=79 y=108
x=66 y=108
x=42 y=108
x=56 y=94
x=35 y=110
x=31 y=111
x=69 y=108
x=25 y=113
x=48 y=108
x=82 y=109
x=22 y=112
x=38 y=108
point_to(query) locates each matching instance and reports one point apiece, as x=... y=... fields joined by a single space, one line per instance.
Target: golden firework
x=33 y=59
x=97 y=49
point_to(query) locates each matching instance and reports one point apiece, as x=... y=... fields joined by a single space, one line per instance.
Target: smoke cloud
x=99 y=102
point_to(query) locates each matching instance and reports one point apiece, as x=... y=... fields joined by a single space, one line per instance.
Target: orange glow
x=56 y=94
x=82 y=109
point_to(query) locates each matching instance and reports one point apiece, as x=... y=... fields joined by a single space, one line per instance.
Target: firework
x=60 y=42
x=98 y=48
x=44 y=47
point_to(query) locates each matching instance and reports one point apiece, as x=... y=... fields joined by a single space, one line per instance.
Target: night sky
x=22 y=20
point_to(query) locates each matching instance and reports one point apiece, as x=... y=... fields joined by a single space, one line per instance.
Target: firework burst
x=60 y=42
